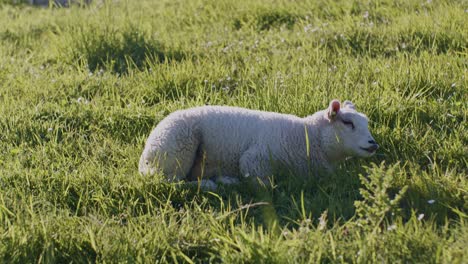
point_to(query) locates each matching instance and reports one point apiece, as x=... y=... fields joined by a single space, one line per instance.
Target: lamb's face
x=350 y=132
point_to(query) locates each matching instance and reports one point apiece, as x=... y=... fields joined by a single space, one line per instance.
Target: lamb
x=222 y=144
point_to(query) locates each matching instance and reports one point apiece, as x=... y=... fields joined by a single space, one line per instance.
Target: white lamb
x=222 y=144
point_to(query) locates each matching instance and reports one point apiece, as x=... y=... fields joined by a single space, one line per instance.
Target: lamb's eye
x=348 y=123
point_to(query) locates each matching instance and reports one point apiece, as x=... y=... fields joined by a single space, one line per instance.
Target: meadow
x=82 y=87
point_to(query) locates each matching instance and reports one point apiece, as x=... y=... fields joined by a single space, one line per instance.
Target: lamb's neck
x=312 y=159
x=315 y=153
x=332 y=153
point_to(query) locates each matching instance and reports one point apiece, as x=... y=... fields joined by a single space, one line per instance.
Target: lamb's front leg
x=256 y=162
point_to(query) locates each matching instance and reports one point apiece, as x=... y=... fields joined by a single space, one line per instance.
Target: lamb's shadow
x=288 y=199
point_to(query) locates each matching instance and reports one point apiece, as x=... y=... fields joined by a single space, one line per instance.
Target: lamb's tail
x=171 y=148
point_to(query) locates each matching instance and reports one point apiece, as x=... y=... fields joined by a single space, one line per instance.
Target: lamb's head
x=345 y=132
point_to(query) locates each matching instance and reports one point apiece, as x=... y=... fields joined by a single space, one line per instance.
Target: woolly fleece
x=214 y=141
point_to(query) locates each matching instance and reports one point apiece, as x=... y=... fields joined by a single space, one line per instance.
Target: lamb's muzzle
x=372 y=148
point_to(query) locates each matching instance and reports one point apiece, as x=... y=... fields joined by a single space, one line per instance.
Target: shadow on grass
x=360 y=42
x=120 y=52
x=431 y=201
x=290 y=199
x=264 y=19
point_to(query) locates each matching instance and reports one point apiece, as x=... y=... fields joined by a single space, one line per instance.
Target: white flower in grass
x=307 y=27
x=392 y=227
x=366 y=14
x=82 y=100
x=322 y=223
x=431 y=201
x=50 y=129
x=420 y=217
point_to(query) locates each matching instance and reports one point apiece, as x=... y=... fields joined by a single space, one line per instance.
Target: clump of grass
x=266 y=19
x=81 y=89
x=119 y=52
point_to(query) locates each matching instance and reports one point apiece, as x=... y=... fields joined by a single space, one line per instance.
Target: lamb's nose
x=373 y=147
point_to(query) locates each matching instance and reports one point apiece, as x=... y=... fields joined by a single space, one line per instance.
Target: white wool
x=212 y=141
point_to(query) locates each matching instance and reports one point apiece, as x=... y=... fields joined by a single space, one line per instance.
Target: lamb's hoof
x=227 y=180
x=205 y=185
x=208 y=185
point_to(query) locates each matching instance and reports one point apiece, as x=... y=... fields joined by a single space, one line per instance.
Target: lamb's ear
x=349 y=104
x=333 y=109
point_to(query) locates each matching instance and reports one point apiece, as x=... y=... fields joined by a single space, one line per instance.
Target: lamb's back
x=235 y=129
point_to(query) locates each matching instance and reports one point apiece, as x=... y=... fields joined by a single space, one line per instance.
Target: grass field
x=82 y=87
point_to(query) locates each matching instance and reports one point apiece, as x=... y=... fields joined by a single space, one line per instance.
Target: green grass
x=81 y=88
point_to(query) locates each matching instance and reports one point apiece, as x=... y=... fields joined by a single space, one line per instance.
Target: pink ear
x=333 y=109
x=335 y=105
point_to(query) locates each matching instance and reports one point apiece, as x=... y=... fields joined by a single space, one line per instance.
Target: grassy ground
x=81 y=88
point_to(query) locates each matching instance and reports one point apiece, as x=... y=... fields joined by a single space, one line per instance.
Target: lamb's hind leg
x=197 y=172
x=207 y=179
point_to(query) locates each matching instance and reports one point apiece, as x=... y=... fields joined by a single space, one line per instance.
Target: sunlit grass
x=82 y=87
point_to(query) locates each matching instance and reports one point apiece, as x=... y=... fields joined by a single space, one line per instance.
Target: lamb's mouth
x=370 y=149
